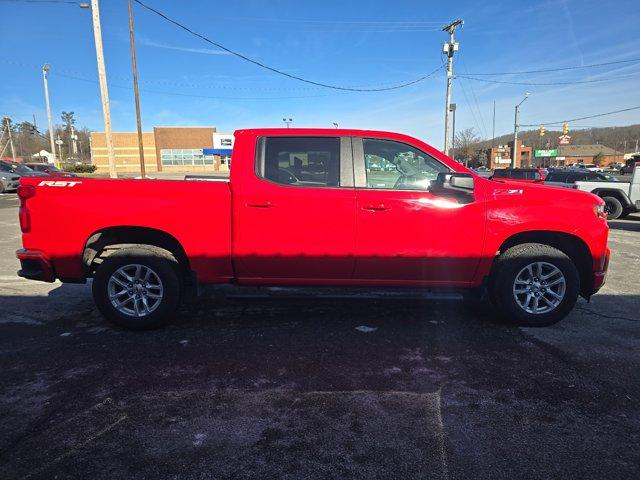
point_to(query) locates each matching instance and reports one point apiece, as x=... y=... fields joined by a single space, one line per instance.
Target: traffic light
x=565 y=128
x=542 y=130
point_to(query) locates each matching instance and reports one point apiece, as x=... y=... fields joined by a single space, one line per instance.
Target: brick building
x=500 y=156
x=569 y=154
x=180 y=149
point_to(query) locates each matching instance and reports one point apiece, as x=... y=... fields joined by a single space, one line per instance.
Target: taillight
x=25 y=192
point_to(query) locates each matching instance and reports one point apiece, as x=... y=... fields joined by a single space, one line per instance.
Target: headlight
x=598 y=210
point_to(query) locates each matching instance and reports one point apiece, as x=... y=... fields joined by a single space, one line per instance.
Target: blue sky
x=185 y=81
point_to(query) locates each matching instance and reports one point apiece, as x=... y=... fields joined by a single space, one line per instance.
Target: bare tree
x=466 y=143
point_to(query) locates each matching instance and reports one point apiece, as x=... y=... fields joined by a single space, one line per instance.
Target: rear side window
x=300 y=161
x=500 y=174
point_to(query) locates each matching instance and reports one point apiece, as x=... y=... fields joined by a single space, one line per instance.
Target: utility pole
x=45 y=75
x=449 y=48
x=288 y=121
x=136 y=93
x=74 y=144
x=59 y=143
x=7 y=124
x=104 y=91
x=493 y=137
x=516 y=126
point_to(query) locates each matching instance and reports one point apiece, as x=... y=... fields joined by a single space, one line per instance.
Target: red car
x=50 y=170
x=305 y=207
x=529 y=175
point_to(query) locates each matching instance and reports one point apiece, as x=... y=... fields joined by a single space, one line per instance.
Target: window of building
x=300 y=161
x=396 y=165
x=185 y=156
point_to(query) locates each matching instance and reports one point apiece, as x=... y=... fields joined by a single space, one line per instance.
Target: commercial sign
x=564 y=140
x=546 y=153
x=503 y=160
x=221 y=140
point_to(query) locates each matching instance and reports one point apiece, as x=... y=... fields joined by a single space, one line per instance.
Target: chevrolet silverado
x=317 y=207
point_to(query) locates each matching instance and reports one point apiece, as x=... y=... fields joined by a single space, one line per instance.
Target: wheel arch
x=121 y=236
x=613 y=192
x=571 y=245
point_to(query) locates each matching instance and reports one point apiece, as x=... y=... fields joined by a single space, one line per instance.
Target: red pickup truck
x=317 y=207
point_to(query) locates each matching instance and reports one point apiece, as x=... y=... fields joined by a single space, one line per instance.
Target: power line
x=275 y=70
x=546 y=70
x=576 y=82
x=178 y=94
x=581 y=118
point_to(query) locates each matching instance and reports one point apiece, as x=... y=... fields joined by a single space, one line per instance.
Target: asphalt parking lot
x=269 y=386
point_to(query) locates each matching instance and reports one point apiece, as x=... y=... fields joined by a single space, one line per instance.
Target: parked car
x=629 y=165
x=620 y=198
x=19 y=169
x=568 y=178
x=10 y=174
x=431 y=224
x=519 y=174
x=50 y=170
x=586 y=166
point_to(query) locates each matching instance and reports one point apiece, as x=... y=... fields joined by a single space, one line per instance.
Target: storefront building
x=166 y=149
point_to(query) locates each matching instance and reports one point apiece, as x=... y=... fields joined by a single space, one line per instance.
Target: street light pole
x=288 y=121
x=452 y=109
x=516 y=126
x=45 y=75
x=136 y=93
x=104 y=90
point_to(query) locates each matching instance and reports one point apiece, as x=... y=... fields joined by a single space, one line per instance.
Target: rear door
x=406 y=234
x=294 y=217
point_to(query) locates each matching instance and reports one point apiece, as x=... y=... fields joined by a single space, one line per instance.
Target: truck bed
x=65 y=214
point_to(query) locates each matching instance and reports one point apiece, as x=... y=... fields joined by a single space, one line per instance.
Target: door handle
x=376 y=207
x=260 y=204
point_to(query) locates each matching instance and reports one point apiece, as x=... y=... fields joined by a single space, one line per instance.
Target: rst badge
x=57 y=183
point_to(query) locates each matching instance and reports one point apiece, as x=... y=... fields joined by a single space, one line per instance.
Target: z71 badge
x=57 y=183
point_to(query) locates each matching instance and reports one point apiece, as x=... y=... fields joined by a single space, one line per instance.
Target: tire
x=507 y=277
x=157 y=300
x=612 y=207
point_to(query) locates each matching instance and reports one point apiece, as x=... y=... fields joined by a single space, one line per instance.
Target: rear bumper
x=35 y=266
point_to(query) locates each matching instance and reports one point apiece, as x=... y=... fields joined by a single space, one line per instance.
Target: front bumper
x=12 y=186
x=35 y=266
x=600 y=275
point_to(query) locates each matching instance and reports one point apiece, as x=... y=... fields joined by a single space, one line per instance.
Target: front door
x=294 y=218
x=406 y=234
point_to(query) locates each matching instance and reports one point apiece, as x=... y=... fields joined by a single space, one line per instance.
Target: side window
x=396 y=165
x=300 y=161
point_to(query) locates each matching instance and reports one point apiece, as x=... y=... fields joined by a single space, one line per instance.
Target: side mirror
x=454 y=182
x=462 y=181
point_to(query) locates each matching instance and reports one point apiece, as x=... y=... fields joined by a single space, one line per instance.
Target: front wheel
x=137 y=288
x=534 y=285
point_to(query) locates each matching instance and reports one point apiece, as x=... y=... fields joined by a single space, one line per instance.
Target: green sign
x=546 y=153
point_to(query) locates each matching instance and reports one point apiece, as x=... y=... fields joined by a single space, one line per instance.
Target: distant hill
x=614 y=137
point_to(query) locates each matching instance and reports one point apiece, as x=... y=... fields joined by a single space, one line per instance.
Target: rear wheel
x=534 y=285
x=137 y=288
x=612 y=207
